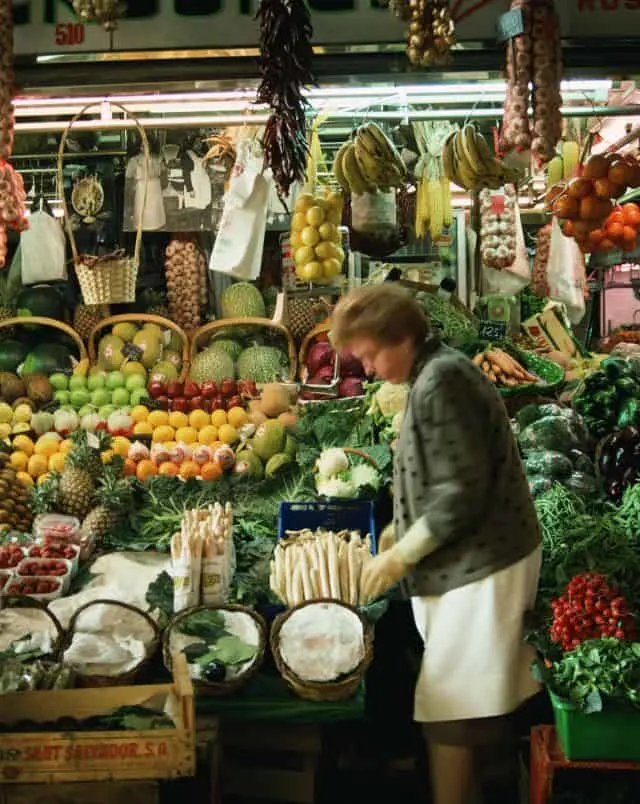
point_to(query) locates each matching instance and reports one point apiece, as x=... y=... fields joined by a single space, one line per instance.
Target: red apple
x=228 y=388
x=175 y=388
x=206 y=405
x=209 y=389
x=157 y=389
x=180 y=403
x=164 y=400
x=195 y=403
x=247 y=388
x=218 y=403
x=191 y=389
x=234 y=402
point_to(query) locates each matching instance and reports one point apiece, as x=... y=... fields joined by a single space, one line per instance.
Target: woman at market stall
x=467 y=542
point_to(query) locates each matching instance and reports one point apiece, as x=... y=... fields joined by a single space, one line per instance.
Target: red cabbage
x=323 y=376
x=350 y=366
x=320 y=355
x=351 y=386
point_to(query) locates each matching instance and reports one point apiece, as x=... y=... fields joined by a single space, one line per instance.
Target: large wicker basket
x=25 y=602
x=109 y=279
x=204 y=333
x=9 y=323
x=218 y=689
x=338 y=690
x=140 y=318
x=130 y=676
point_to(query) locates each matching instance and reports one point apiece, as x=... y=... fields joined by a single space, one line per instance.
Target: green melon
x=12 y=354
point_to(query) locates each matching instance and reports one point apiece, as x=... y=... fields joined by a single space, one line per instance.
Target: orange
x=145 y=469
x=189 y=469
x=129 y=468
x=211 y=471
x=630 y=213
x=168 y=468
x=615 y=231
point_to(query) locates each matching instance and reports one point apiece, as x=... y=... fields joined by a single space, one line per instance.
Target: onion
x=320 y=355
x=350 y=366
x=350 y=386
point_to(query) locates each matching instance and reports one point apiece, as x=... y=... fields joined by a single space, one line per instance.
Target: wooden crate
x=83 y=793
x=40 y=757
x=269 y=762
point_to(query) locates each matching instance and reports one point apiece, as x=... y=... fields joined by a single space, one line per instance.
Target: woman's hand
x=381 y=573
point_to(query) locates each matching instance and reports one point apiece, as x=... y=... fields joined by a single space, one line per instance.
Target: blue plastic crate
x=336 y=515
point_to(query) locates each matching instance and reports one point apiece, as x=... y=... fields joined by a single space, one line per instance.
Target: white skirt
x=476 y=663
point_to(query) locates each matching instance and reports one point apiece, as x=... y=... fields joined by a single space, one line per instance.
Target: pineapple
x=77 y=484
x=304 y=315
x=113 y=499
x=88 y=316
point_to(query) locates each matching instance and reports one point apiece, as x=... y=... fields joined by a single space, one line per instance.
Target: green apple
x=139 y=396
x=135 y=382
x=79 y=398
x=120 y=397
x=85 y=410
x=115 y=379
x=100 y=397
x=59 y=381
x=77 y=383
x=61 y=397
x=106 y=411
x=96 y=381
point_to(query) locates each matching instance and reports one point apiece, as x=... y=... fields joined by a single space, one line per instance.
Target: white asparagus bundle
x=186 y=559
x=218 y=566
x=308 y=565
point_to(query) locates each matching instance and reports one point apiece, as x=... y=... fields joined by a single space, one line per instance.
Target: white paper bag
x=183 y=592
x=42 y=248
x=566 y=274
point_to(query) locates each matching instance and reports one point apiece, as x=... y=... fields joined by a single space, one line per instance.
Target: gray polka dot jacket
x=462 y=507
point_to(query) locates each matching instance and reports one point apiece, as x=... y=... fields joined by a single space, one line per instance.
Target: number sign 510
x=69 y=33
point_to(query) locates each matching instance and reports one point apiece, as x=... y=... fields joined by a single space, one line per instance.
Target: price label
x=492 y=330
x=510 y=25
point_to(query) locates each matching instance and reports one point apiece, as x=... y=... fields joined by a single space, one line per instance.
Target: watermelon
x=12 y=353
x=42 y=300
x=47 y=358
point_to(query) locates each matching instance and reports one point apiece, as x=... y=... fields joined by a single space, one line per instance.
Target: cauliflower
x=332 y=462
x=365 y=475
x=392 y=399
x=396 y=422
x=335 y=487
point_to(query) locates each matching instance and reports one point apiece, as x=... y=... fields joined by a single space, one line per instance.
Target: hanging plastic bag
x=239 y=243
x=503 y=252
x=566 y=274
x=42 y=247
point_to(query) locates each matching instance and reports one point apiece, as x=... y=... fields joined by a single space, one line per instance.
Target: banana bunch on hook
x=369 y=162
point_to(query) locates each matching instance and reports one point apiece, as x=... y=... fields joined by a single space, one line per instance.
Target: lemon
x=295 y=241
x=157 y=418
x=208 y=435
x=328 y=231
x=47 y=445
x=56 y=462
x=325 y=250
x=237 y=417
x=24 y=444
x=65 y=446
x=339 y=255
x=163 y=434
x=5 y=430
x=304 y=202
x=107 y=456
x=22 y=413
x=315 y=216
x=25 y=478
x=218 y=418
x=187 y=435
x=304 y=255
x=228 y=434
x=331 y=268
x=178 y=419
x=121 y=446
x=298 y=222
x=6 y=413
x=199 y=419
x=19 y=461
x=21 y=427
x=38 y=465
x=310 y=236
x=43 y=478
x=142 y=428
x=309 y=272
x=139 y=414
x=334 y=216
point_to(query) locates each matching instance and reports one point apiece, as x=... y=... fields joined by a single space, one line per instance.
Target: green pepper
x=614 y=367
x=629 y=413
x=596 y=381
x=627 y=386
x=605 y=400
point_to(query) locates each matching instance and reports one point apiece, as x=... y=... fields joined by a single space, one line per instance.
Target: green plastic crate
x=611 y=735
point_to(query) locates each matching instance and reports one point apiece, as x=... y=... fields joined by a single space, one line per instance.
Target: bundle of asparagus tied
x=309 y=565
x=203 y=557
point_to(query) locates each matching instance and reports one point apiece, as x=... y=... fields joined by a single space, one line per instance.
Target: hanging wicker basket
x=24 y=321
x=123 y=679
x=203 y=335
x=317 y=691
x=109 y=279
x=227 y=687
x=140 y=318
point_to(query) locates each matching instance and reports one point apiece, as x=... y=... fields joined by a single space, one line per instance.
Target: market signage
x=51 y=26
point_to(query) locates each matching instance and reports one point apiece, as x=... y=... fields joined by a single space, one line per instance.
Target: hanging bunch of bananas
x=104 y=12
x=433 y=190
x=564 y=164
x=469 y=163
x=369 y=162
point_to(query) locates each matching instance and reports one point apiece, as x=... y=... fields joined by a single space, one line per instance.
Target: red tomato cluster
x=42 y=568
x=590 y=609
x=54 y=550
x=34 y=586
x=10 y=556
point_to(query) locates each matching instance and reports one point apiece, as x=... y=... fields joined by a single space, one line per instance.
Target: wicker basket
x=205 y=332
x=8 y=323
x=22 y=602
x=110 y=279
x=318 y=691
x=123 y=679
x=210 y=688
x=140 y=318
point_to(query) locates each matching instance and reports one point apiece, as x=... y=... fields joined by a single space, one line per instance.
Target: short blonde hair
x=383 y=312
